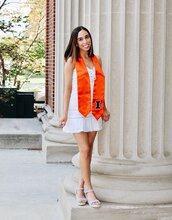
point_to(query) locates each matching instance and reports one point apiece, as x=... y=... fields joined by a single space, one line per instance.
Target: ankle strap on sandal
x=88 y=191
x=79 y=189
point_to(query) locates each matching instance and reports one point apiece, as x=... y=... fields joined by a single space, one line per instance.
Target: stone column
x=59 y=146
x=134 y=152
x=132 y=159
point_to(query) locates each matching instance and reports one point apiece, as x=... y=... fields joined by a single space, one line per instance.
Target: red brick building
x=50 y=52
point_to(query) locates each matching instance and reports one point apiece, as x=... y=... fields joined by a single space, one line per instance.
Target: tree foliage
x=10 y=20
x=23 y=53
x=36 y=15
x=22 y=59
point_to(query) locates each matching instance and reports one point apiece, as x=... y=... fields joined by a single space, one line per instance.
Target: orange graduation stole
x=84 y=93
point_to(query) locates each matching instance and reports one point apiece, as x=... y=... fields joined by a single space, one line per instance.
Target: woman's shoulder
x=70 y=63
x=99 y=59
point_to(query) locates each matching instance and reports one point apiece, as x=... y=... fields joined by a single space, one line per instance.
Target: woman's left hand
x=106 y=115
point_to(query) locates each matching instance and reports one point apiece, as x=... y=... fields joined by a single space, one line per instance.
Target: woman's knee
x=85 y=151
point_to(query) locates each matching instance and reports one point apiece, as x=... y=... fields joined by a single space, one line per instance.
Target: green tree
x=21 y=54
x=22 y=58
x=36 y=18
x=10 y=20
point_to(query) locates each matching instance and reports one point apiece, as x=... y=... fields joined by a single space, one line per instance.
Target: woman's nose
x=85 y=40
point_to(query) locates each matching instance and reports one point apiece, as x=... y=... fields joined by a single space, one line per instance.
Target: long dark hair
x=72 y=50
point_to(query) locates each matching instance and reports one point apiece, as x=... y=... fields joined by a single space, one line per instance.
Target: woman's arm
x=106 y=113
x=68 y=71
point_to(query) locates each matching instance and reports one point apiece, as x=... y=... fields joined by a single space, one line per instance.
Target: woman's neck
x=84 y=54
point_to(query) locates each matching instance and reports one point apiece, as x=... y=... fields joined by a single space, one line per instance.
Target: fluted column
x=60 y=146
x=132 y=159
x=67 y=17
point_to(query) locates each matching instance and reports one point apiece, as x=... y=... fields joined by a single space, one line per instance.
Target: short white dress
x=76 y=122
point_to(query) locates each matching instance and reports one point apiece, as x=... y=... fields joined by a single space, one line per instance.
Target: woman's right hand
x=62 y=120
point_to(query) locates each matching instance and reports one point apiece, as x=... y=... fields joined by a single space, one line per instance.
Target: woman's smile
x=84 y=41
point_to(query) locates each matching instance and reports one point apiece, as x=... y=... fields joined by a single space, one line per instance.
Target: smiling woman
x=84 y=105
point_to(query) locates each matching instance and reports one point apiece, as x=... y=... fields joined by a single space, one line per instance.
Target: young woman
x=84 y=105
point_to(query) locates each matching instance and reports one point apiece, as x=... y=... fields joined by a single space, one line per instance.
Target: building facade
x=132 y=158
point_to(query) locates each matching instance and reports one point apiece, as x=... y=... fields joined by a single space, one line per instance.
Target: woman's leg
x=85 y=142
x=91 y=137
x=83 y=145
x=85 y=151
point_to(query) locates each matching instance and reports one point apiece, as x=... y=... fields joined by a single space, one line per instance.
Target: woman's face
x=84 y=40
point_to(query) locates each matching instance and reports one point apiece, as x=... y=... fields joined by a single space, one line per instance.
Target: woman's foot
x=91 y=198
x=80 y=197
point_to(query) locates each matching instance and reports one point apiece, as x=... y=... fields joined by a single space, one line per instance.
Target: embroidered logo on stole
x=84 y=91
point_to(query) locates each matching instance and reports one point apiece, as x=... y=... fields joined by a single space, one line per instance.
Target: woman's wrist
x=65 y=112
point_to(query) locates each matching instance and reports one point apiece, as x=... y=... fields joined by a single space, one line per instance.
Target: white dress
x=76 y=122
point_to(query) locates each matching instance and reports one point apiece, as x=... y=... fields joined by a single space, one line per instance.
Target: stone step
x=58 y=152
x=20 y=133
x=69 y=210
x=20 y=141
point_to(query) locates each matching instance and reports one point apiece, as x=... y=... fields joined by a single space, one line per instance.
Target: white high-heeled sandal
x=94 y=203
x=80 y=200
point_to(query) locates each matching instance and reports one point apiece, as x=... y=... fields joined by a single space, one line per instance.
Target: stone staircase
x=20 y=133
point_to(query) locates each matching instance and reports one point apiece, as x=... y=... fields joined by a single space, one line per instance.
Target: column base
x=135 y=184
x=111 y=211
x=57 y=145
x=57 y=152
x=125 y=191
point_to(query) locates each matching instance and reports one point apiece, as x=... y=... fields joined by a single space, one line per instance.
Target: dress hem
x=79 y=131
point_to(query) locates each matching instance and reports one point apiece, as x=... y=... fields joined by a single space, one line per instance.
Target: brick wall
x=50 y=52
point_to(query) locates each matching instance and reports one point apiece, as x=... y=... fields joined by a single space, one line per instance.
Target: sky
x=14 y=7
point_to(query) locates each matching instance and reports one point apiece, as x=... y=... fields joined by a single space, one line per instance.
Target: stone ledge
x=58 y=152
x=22 y=141
x=111 y=211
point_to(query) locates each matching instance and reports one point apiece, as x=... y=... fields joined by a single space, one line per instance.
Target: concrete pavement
x=29 y=188
x=20 y=133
